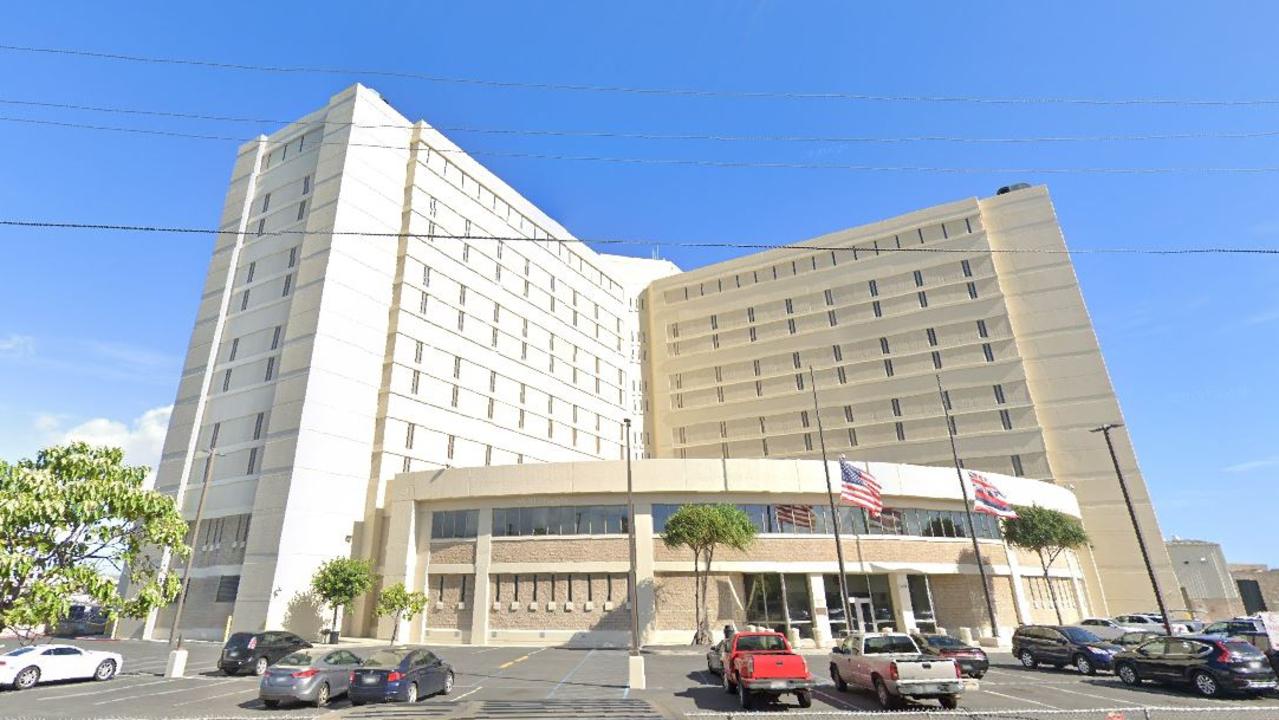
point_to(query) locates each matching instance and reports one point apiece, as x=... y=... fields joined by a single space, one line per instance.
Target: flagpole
x=968 y=512
x=870 y=594
x=834 y=515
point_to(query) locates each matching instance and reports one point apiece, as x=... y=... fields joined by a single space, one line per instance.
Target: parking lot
x=521 y=682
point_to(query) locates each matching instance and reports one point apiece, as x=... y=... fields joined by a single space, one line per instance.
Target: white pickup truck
x=892 y=666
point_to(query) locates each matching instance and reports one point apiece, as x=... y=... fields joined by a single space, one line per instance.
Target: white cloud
x=1252 y=465
x=142 y=439
x=15 y=345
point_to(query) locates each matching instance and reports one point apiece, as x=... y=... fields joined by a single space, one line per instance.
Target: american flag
x=988 y=499
x=797 y=515
x=858 y=487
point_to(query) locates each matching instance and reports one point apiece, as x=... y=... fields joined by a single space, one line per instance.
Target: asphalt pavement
x=522 y=682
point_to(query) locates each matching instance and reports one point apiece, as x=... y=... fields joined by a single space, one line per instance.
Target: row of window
x=815 y=519
x=570 y=520
x=827 y=259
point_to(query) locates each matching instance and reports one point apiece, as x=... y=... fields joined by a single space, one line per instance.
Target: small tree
x=400 y=604
x=341 y=580
x=1048 y=532
x=68 y=517
x=702 y=529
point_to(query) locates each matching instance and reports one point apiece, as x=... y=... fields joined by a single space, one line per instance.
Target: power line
x=712 y=137
x=182 y=230
x=695 y=162
x=658 y=91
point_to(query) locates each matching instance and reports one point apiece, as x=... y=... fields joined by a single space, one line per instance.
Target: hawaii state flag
x=988 y=499
x=860 y=488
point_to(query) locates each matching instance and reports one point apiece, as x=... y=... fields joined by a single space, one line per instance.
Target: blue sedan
x=400 y=674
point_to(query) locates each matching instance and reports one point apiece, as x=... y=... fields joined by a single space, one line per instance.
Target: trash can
x=332 y=637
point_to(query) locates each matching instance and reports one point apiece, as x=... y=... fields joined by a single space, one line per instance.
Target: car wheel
x=259 y=666
x=886 y=699
x=357 y=703
x=412 y=698
x=105 y=671
x=448 y=684
x=1206 y=685
x=26 y=678
x=322 y=695
x=1128 y=675
x=949 y=702
x=744 y=697
x=1028 y=659
x=271 y=704
x=805 y=698
x=979 y=675
x=730 y=687
x=840 y=684
x=1084 y=665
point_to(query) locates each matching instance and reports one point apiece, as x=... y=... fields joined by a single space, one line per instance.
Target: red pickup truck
x=762 y=663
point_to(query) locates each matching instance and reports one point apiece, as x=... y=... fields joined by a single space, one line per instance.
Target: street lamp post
x=635 y=663
x=1132 y=513
x=177 y=656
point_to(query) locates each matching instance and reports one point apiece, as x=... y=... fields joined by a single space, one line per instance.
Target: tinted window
x=1080 y=635
x=760 y=642
x=424 y=659
x=889 y=644
x=19 y=651
x=1243 y=649
x=301 y=658
x=940 y=641
x=385 y=659
x=240 y=639
x=1154 y=648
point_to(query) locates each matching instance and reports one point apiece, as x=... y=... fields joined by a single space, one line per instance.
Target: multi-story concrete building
x=1208 y=592
x=380 y=304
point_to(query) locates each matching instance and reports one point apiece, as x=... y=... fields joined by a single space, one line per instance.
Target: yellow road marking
x=520 y=659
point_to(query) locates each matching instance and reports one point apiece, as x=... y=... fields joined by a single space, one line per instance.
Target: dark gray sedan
x=312 y=676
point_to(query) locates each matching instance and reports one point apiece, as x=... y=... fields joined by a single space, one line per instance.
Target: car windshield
x=890 y=644
x=385 y=658
x=240 y=639
x=20 y=651
x=1079 y=635
x=943 y=641
x=298 y=658
x=761 y=643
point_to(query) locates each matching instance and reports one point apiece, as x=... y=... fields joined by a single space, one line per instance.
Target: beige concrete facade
x=570 y=584
x=978 y=292
x=383 y=305
x=1205 y=586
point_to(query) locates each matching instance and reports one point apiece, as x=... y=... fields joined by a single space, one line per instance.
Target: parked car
x=763 y=663
x=254 y=652
x=715 y=658
x=403 y=674
x=82 y=619
x=1062 y=645
x=1212 y=666
x=1234 y=626
x=972 y=660
x=1136 y=637
x=310 y=676
x=893 y=667
x=1150 y=621
x=1105 y=628
x=24 y=667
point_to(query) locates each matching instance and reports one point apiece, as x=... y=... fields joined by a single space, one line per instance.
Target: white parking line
x=1094 y=696
x=835 y=700
x=162 y=692
x=240 y=691
x=1022 y=699
x=570 y=674
x=99 y=690
x=477 y=689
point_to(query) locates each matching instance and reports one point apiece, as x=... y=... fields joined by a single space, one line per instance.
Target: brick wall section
x=441 y=611
x=452 y=551
x=959 y=602
x=676 y=608
x=579 y=618
x=789 y=549
x=541 y=550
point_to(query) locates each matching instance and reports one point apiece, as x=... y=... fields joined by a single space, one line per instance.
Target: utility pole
x=635 y=661
x=968 y=512
x=1132 y=513
x=177 y=656
x=834 y=514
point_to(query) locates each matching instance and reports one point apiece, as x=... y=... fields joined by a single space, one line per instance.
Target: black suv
x=255 y=651
x=1211 y=665
x=1061 y=645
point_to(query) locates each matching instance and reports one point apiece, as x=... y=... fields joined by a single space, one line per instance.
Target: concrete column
x=401 y=558
x=1019 y=587
x=821 y=614
x=1076 y=577
x=899 y=591
x=483 y=560
x=644 y=580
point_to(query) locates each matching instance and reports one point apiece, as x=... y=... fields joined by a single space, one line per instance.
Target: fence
x=1269 y=712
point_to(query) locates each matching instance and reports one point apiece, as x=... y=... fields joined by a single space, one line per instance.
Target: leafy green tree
x=702 y=529
x=68 y=518
x=341 y=580
x=1049 y=533
x=400 y=604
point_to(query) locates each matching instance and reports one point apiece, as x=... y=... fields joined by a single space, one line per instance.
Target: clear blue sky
x=93 y=326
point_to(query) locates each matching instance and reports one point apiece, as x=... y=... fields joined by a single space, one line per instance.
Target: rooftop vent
x=1011 y=188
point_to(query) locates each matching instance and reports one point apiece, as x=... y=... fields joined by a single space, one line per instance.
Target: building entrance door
x=862 y=618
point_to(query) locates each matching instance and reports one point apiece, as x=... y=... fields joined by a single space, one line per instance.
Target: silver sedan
x=313 y=676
